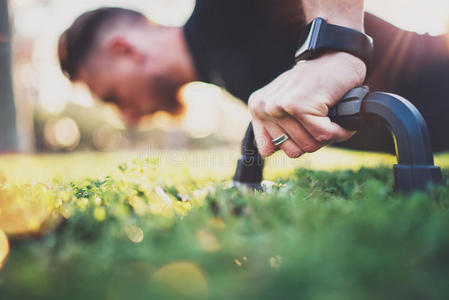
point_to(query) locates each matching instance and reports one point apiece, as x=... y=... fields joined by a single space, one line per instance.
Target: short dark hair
x=78 y=41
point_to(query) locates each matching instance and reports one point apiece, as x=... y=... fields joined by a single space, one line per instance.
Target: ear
x=120 y=46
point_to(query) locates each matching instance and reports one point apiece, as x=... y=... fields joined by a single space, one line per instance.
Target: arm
x=297 y=102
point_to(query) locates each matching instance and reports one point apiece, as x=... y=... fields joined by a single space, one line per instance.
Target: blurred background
x=52 y=115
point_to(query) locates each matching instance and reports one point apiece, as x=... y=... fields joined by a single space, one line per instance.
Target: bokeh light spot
x=135 y=234
x=202 y=115
x=62 y=134
x=238 y=262
x=4 y=248
x=100 y=213
x=24 y=208
x=275 y=262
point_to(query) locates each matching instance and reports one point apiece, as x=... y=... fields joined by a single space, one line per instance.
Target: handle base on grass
x=408 y=178
x=249 y=172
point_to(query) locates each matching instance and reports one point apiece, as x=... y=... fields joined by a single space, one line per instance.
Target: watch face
x=306 y=44
x=306 y=50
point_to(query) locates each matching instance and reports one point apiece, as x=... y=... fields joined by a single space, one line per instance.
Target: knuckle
x=256 y=106
x=252 y=100
x=292 y=108
x=251 y=105
x=274 y=109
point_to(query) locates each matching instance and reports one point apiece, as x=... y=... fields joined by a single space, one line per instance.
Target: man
x=248 y=47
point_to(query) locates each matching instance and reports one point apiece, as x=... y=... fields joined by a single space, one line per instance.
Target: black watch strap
x=325 y=37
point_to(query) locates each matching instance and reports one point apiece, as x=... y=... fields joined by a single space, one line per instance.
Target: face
x=139 y=81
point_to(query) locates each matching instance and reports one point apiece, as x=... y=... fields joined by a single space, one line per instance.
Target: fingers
x=299 y=142
x=272 y=123
x=289 y=146
x=299 y=135
x=305 y=122
x=263 y=139
x=266 y=129
x=306 y=136
x=322 y=129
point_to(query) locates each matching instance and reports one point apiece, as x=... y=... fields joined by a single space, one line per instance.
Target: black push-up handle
x=415 y=169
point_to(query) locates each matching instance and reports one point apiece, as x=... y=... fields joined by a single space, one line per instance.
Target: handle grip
x=347 y=113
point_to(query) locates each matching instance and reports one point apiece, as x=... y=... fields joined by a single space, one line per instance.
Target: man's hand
x=298 y=101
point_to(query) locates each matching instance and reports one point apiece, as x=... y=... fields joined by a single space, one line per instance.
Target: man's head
x=124 y=59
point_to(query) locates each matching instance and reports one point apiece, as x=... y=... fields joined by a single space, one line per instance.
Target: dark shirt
x=237 y=46
x=241 y=46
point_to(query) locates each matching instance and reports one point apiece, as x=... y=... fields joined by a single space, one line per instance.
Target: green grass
x=314 y=234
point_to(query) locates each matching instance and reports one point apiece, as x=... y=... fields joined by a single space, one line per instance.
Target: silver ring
x=280 y=140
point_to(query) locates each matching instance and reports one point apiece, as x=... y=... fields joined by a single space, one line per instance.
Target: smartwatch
x=323 y=37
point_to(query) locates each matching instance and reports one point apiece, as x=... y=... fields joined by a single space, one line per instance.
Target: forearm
x=348 y=13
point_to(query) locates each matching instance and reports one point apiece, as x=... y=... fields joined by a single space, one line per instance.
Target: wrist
x=347 y=13
x=352 y=21
x=354 y=64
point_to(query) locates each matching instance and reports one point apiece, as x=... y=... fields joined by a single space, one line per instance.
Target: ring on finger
x=280 y=140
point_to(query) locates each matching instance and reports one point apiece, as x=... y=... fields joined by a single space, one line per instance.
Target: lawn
x=167 y=226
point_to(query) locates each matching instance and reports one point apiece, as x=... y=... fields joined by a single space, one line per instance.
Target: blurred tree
x=8 y=130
